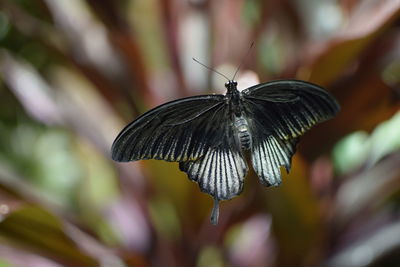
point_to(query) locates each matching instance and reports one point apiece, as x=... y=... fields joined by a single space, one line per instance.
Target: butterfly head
x=231 y=85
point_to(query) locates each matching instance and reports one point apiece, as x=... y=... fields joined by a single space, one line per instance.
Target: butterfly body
x=243 y=132
x=207 y=134
x=235 y=101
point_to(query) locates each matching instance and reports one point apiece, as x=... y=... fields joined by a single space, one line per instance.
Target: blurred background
x=74 y=72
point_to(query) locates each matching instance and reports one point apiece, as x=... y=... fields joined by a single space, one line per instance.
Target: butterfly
x=209 y=134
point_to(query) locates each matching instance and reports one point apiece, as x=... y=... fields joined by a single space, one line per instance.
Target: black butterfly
x=208 y=134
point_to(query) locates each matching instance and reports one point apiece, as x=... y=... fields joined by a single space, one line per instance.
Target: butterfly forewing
x=180 y=130
x=280 y=112
x=289 y=108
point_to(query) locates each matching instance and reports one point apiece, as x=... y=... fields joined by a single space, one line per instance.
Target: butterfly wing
x=179 y=130
x=221 y=171
x=290 y=107
x=280 y=112
x=268 y=154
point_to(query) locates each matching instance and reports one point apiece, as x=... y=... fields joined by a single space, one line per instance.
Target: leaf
x=296 y=221
x=37 y=230
x=364 y=25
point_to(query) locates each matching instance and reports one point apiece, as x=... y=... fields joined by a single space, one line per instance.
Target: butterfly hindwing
x=221 y=171
x=179 y=130
x=268 y=155
x=289 y=107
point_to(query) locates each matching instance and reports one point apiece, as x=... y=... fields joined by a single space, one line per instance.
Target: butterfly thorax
x=233 y=97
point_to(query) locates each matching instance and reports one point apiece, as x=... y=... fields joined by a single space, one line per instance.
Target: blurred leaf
x=165 y=219
x=210 y=256
x=350 y=152
x=35 y=229
x=4 y=25
x=391 y=74
x=273 y=51
x=251 y=243
x=98 y=188
x=4 y=263
x=368 y=21
x=30 y=88
x=385 y=139
x=186 y=198
x=41 y=158
x=97 y=191
x=360 y=148
x=370 y=248
x=14 y=257
x=367 y=189
x=295 y=216
x=251 y=12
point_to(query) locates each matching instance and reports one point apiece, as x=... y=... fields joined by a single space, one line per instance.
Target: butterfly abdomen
x=243 y=132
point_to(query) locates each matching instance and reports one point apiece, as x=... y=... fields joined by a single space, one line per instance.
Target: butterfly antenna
x=207 y=67
x=243 y=59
